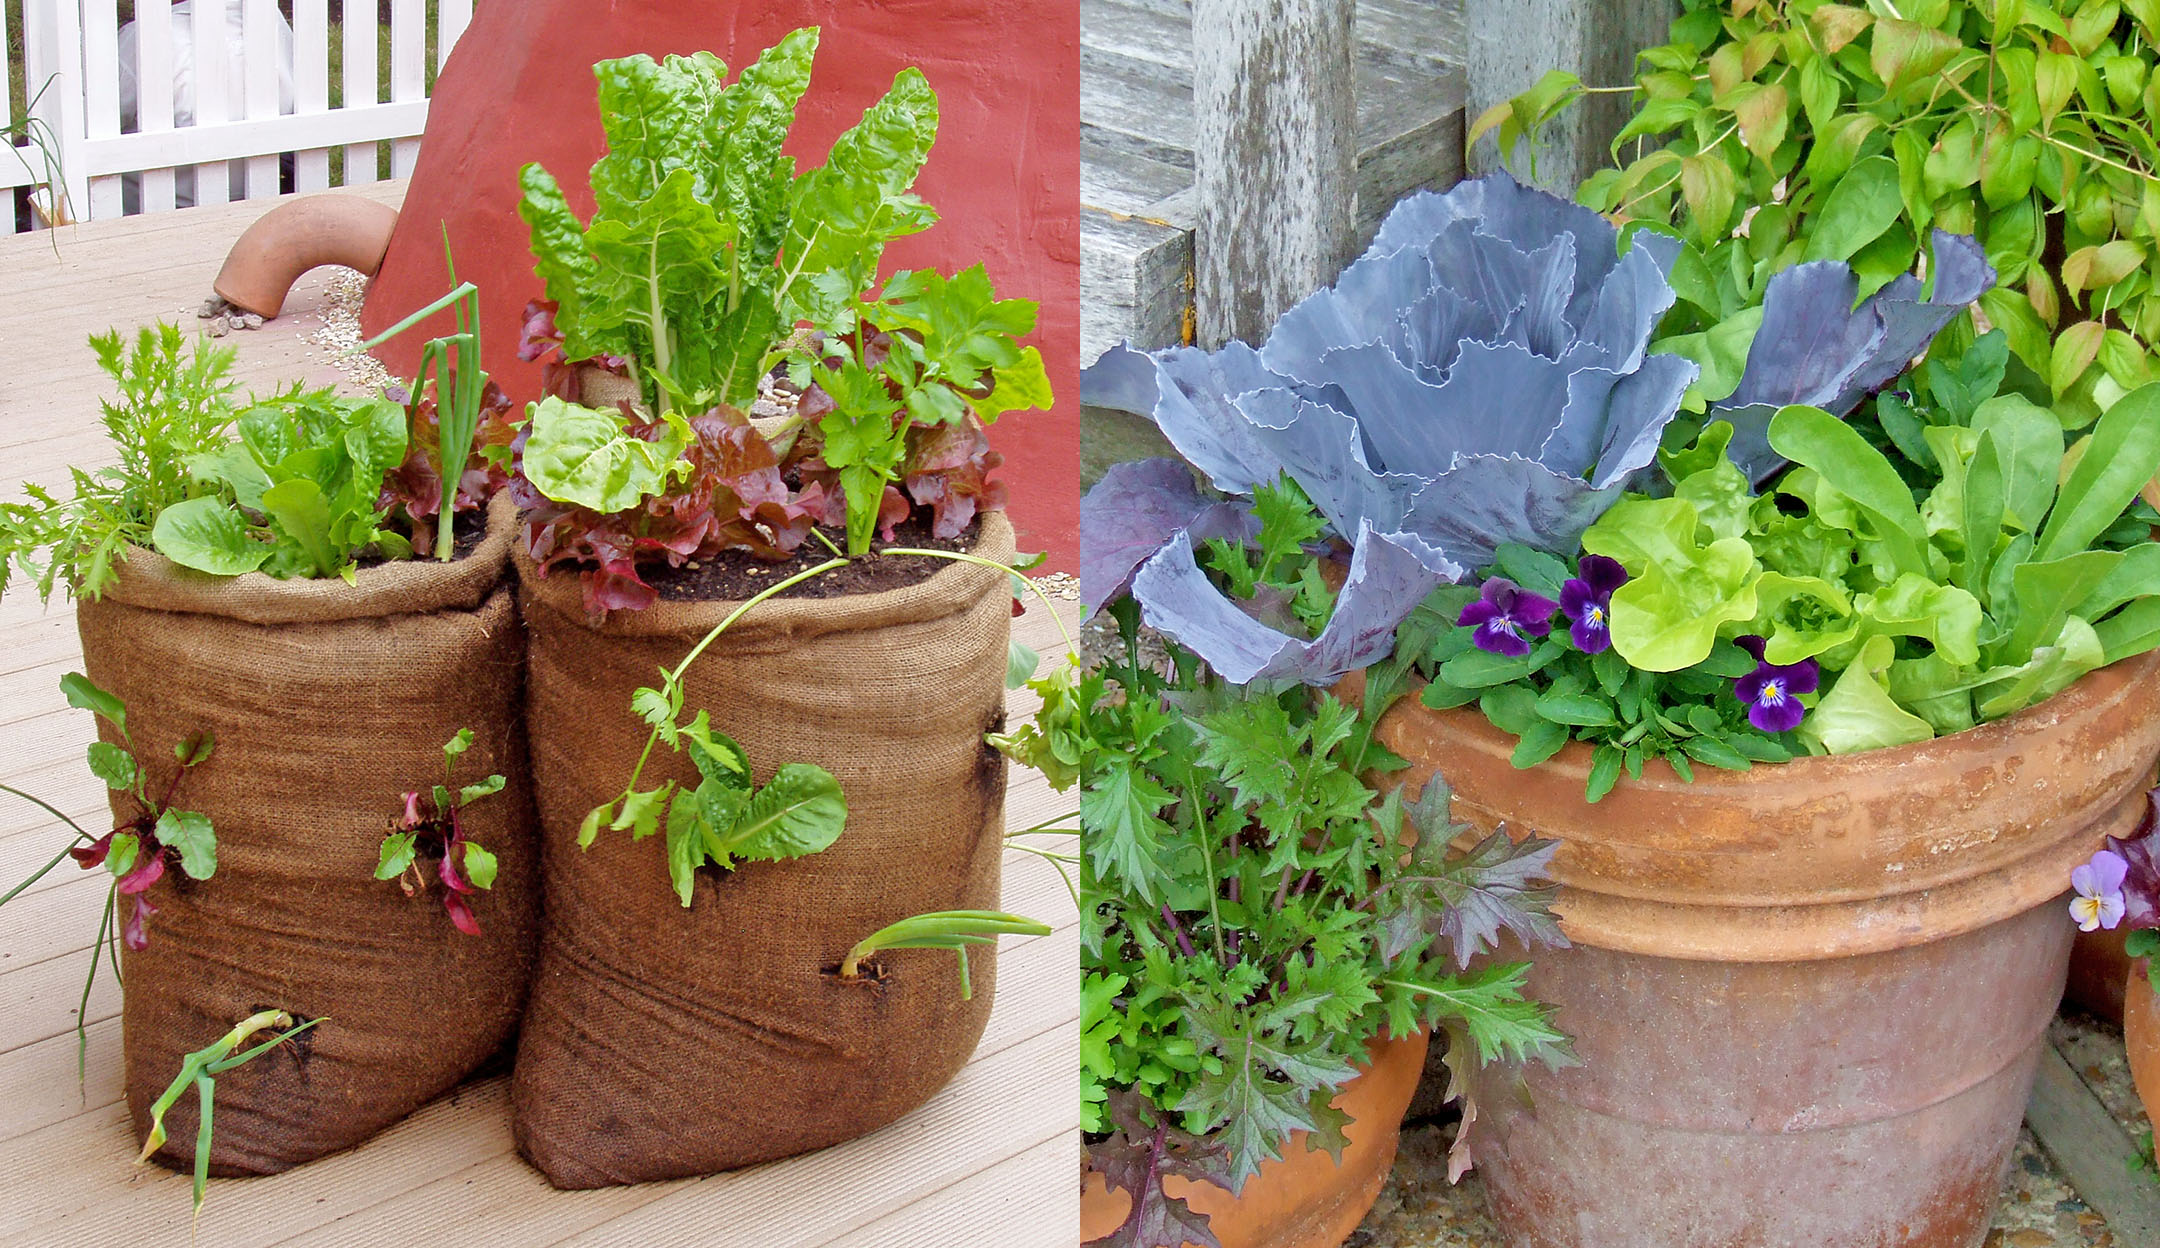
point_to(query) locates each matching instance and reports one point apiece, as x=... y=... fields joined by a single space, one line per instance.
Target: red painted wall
x=1004 y=175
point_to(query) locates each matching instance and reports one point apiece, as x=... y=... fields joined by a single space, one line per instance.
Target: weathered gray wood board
x=1274 y=158
x=2090 y=1146
x=1512 y=43
x=1138 y=205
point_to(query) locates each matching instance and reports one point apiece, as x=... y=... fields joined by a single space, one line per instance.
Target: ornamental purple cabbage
x=1480 y=376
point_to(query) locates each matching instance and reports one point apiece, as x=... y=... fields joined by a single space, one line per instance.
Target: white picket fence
x=256 y=90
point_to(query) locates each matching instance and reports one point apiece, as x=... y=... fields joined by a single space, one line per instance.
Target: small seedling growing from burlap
x=944 y=929
x=138 y=850
x=432 y=828
x=201 y=1069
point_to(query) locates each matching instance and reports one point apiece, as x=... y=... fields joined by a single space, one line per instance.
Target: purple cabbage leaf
x=1816 y=348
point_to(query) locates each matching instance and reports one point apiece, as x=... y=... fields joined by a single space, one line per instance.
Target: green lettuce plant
x=1774 y=132
x=1949 y=558
x=299 y=493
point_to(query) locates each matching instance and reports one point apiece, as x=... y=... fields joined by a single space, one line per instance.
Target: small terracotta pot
x=1809 y=998
x=1304 y=1200
x=2141 y=1036
x=2099 y=967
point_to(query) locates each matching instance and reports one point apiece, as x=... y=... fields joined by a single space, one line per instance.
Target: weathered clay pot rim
x=1300 y=1164
x=1824 y=856
x=401 y=586
x=952 y=589
x=1816 y=771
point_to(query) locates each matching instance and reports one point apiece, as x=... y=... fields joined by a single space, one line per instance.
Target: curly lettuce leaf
x=588 y=458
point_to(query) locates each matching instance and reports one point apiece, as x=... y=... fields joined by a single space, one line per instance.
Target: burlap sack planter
x=665 y=1041
x=329 y=701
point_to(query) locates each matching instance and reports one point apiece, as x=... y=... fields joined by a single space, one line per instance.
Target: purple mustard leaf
x=2140 y=852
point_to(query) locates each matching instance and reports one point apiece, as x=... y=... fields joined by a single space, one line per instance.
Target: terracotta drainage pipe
x=297 y=236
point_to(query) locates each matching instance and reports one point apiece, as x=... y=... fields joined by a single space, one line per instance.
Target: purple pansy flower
x=1506 y=617
x=1587 y=602
x=2099 y=901
x=1772 y=691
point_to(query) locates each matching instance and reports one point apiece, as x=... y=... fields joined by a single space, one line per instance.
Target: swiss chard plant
x=1253 y=914
x=709 y=262
x=141 y=847
x=174 y=403
x=1776 y=132
x=707 y=246
x=429 y=839
x=299 y=494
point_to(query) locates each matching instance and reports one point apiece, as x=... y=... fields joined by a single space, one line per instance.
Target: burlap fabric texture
x=665 y=1041
x=329 y=701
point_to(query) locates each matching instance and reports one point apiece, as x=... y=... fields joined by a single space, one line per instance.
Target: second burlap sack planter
x=328 y=701
x=665 y=1041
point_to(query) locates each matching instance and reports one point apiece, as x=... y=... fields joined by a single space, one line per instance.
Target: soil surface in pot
x=735 y=575
x=467 y=529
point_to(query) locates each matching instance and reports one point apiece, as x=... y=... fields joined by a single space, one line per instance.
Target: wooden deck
x=989 y=1161
x=1136 y=167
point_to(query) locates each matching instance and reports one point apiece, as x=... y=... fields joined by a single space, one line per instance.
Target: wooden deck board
x=448 y=1174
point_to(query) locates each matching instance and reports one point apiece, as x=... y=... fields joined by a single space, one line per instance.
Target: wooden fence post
x=1274 y=158
x=52 y=64
x=1513 y=43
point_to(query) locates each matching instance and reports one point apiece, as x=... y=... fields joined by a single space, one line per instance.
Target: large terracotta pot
x=1809 y=998
x=1305 y=1200
x=2141 y=1035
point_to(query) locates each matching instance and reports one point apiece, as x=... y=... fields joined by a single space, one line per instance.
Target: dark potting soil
x=734 y=575
x=467 y=530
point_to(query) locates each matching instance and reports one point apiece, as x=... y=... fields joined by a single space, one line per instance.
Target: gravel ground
x=2038 y=1208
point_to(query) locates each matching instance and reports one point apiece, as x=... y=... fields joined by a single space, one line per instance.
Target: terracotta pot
x=1305 y=1200
x=2141 y=1035
x=1809 y=998
x=2099 y=966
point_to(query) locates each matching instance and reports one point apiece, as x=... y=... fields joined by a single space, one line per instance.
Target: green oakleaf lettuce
x=1681 y=590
